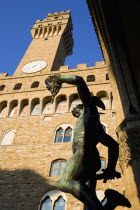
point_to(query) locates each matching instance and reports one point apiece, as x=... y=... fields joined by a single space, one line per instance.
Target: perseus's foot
x=115 y=199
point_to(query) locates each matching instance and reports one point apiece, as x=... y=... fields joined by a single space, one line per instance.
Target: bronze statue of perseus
x=79 y=176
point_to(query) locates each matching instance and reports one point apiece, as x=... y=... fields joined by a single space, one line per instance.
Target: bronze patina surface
x=79 y=176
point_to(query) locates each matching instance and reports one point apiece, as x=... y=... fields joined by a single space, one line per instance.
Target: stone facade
x=29 y=122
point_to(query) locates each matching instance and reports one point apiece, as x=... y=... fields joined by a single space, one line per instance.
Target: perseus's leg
x=74 y=179
x=82 y=192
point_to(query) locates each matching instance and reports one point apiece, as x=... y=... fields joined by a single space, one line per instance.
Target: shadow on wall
x=21 y=189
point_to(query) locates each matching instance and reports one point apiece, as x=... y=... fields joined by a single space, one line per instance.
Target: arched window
x=17 y=86
x=107 y=76
x=59 y=135
x=67 y=135
x=103 y=95
x=53 y=200
x=35 y=84
x=112 y=101
x=61 y=104
x=48 y=108
x=2 y=87
x=3 y=112
x=59 y=29
x=113 y=114
x=47 y=204
x=35 y=106
x=61 y=107
x=57 y=168
x=106 y=102
x=24 y=107
x=59 y=204
x=47 y=105
x=35 y=110
x=63 y=134
x=3 y=109
x=8 y=137
x=90 y=78
x=13 y=111
x=103 y=165
x=25 y=110
x=74 y=103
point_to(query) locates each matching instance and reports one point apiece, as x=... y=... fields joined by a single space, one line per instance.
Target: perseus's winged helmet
x=96 y=101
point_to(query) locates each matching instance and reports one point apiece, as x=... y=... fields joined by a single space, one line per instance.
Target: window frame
x=57 y=135
x=102 y=167
x=13 y=105
x=60 y=197
x=107 y=76
x=2 y=87
x=45 y=201
x=4 y=134
x=3 y=105
x=17 y=86
x=59 y=103
x=35 y=84
x=54 y=195
x=24 y=103
x=71 y=106
x=64 y=127
x=35 y=102
x=89 y=77
x=67 y=134
x=58 y=168
x=104 y=96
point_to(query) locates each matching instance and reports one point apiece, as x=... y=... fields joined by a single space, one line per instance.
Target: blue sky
x=17 y=17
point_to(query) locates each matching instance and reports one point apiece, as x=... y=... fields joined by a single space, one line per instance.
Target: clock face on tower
x=34 y=66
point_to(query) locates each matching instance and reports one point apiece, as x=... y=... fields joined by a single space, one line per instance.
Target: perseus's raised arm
x=82 y=88
x=54 y=84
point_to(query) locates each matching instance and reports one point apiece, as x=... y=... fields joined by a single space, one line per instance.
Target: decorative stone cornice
x=124 y=151
x=129 y=140
x=58 y=13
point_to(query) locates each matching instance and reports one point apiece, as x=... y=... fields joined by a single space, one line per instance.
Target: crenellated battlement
x=3 y=75
x=59 y=13
x=82 y=66
x=55 y=16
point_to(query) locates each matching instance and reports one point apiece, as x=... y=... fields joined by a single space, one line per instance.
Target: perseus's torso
x=84 y=133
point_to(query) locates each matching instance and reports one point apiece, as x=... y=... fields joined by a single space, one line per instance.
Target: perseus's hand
x=53 y=84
